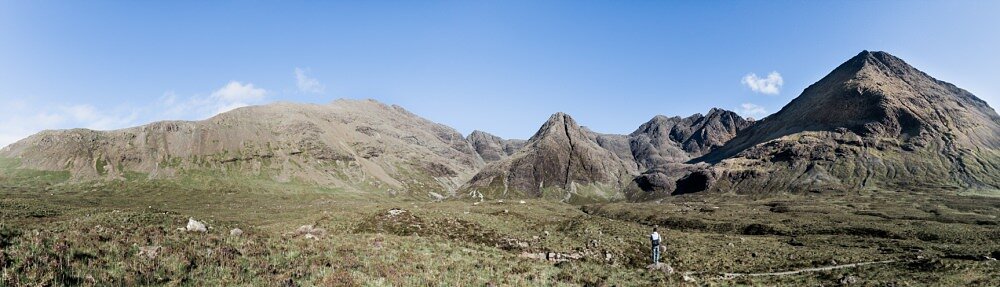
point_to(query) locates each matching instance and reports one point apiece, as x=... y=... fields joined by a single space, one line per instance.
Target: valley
x=96 y=234
x=877 y=174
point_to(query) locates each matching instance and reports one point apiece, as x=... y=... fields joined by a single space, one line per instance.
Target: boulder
x=195 y=226
x=310 y=232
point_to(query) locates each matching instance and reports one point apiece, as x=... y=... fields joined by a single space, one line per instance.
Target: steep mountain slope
x=662 y=143
x=561 y=161
x=664 y=140
x=355 y=145
x=493 y=148
x=874 y=122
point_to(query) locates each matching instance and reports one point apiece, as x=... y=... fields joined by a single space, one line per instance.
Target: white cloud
x=752 y=110
x=307 y=84
x=233 y=95
x=768 y=86
x=89 y=117
x=22 y=118
x=235 y=91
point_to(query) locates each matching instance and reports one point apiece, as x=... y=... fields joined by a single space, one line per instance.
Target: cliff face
x=664 y=140
x=356 y=145
x=493 y=148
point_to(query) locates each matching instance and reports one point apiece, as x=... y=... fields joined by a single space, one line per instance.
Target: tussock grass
x=124 y=233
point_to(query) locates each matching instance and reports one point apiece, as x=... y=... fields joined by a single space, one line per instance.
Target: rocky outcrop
x=195 y=226
x=659 y=147
x=493 y=148
x=561 y=161
x=358 y=145
x=664 y=140
x=616 y=144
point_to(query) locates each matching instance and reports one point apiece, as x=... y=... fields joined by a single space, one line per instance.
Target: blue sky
x=498 y=66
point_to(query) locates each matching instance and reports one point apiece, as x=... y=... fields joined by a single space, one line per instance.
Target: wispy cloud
x=307 y=84
x=89 y=117
x=233 y=95
x=22 y=118
x=752 y=110
x=771 y=85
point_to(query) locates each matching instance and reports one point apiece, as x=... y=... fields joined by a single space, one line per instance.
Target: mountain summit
x=561 y=161
x=493 y=148
x=877 y=94
x=664 y=140
x=874 y=122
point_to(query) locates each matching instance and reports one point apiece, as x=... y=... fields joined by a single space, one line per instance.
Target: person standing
x=655 y=240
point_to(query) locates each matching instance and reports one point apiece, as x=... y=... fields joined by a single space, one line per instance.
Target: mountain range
x=874 y=122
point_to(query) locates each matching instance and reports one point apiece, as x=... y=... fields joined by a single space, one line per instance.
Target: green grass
x=54 y=231
x=13 y=176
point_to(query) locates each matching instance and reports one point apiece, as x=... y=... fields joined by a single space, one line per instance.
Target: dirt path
x=793 y=272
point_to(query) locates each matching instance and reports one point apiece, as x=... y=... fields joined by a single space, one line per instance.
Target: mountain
x=493 y=148
x=355 y=145
x=663 y=140
x=874 y=122
x=561 y=161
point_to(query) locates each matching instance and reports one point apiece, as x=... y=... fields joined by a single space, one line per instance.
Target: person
x=655 y=240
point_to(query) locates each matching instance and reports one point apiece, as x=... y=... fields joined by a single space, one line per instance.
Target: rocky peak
x=559 y=125
x=558 y=159
x=664 y=140
x=493 y=148
x=877 y=95
x=873 y=122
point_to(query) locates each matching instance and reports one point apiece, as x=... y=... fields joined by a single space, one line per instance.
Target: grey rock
x=493 y=148
x=848 y=280
x=195 y=226
x=310 y=232
x=664 y=140
x=560 y=161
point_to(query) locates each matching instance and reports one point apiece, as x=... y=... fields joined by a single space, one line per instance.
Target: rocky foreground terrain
x=875 y=122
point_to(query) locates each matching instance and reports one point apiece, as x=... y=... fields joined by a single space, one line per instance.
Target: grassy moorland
x=57 y=232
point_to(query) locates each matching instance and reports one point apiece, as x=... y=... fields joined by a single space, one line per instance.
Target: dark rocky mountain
x=493 y=148
x=561 y=161
x=602 y=164
x=875 y=122
x=619 y=145
x=664 y=140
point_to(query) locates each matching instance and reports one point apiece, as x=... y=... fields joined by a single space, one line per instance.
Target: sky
x=498 y=66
